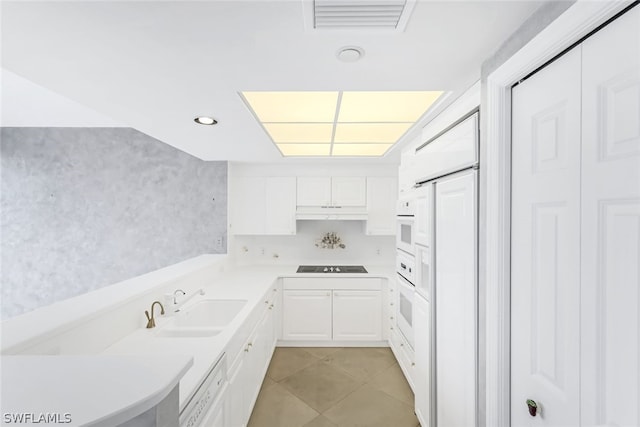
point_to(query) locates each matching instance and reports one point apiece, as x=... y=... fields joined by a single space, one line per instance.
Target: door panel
x=545 y=284
x=306 y=315
x=455 y=300
x=611 y=224
x=349 y=191
x=357 y=315
x=280 y=205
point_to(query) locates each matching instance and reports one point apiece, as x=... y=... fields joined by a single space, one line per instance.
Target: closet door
x=611 y=224
x=545 y=257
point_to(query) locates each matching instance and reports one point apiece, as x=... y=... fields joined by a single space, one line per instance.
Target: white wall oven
x=405 y=267
x=406 y=232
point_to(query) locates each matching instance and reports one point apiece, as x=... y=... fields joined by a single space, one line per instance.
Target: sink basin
x=209 y=313
x=187 y=332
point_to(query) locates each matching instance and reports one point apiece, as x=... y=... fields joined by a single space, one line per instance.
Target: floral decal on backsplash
x=330 y=241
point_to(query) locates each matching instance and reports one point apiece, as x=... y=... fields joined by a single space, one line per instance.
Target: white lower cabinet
x=306 y=315
x=250 y=366
x=357 y=315
x=422 y=347
x=319 y=309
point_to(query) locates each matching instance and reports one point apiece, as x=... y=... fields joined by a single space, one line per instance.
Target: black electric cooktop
x=331 y=269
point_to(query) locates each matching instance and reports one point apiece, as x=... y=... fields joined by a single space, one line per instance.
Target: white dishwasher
x=206 y=407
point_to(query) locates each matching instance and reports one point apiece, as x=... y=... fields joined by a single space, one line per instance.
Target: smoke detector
x=350 y=53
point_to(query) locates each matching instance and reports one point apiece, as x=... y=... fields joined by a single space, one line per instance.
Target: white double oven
x=413 y=259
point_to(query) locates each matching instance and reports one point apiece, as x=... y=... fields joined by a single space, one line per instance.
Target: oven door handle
x=404 y=282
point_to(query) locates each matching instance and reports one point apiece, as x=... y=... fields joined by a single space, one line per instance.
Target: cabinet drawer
x=346 y=283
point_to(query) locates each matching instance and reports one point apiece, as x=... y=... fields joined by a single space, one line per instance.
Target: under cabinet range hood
x=342 y=213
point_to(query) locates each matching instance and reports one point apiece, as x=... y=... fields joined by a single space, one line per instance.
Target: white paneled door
x=611 y=224
x=455 y=300
x=575 y=272
x=545 y=262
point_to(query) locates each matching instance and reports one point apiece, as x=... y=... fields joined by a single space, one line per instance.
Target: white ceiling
x=155 y=65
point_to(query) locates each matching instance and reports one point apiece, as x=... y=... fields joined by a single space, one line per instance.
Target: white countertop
x=96 y=390
x=136 y=372
x=246 y=282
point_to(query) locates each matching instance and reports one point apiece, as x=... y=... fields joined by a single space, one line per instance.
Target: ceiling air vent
x=361 y=14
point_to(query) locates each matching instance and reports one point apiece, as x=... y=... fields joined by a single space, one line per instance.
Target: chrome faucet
x=151 y=323
x=175 y=295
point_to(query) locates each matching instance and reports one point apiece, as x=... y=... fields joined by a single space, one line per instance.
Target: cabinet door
x=306 y=315
x=248 y=198
x=256 y=360
x=424 y=215
x=382 y=193
x=280 y=205
x=357 y=315
x=422 y=347
x=313 y=191
x=349 y=191
x=455 y=300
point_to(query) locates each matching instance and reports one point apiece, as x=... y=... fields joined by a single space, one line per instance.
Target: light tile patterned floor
x=329 y=387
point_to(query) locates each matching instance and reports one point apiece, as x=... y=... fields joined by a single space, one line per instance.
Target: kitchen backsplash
x=83 y=208
x=301 y=248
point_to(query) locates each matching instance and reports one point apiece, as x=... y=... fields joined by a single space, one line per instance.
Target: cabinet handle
x=275 y=290
x=271 y=307
x=533 y=407
x=391 y=317
x=249 y=345
x=391 y=328
x=266 y=302
x=401 y=344
x=413 y=363
x=391 y=303
x=246 y=350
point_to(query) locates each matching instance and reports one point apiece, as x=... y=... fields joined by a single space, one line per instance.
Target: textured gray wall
x=82 y=208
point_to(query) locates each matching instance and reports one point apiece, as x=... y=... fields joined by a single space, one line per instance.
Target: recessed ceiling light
x=204 y=120
x=350 y=53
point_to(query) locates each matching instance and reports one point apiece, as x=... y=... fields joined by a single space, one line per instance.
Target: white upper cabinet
x=314 y=191
x=332 y=191
x=280 y=205
x=349 y=191
x=453 y=149
x=249 y=197
x=382 y=193
x=264 y=206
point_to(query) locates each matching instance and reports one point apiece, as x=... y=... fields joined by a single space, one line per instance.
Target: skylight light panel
x=370 y=132
x=300 y=132
x=368 y=107
x=359 y=150
x=293 y=107
x=305 y=149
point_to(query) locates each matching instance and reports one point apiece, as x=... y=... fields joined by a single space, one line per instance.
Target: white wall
x=300 y=248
